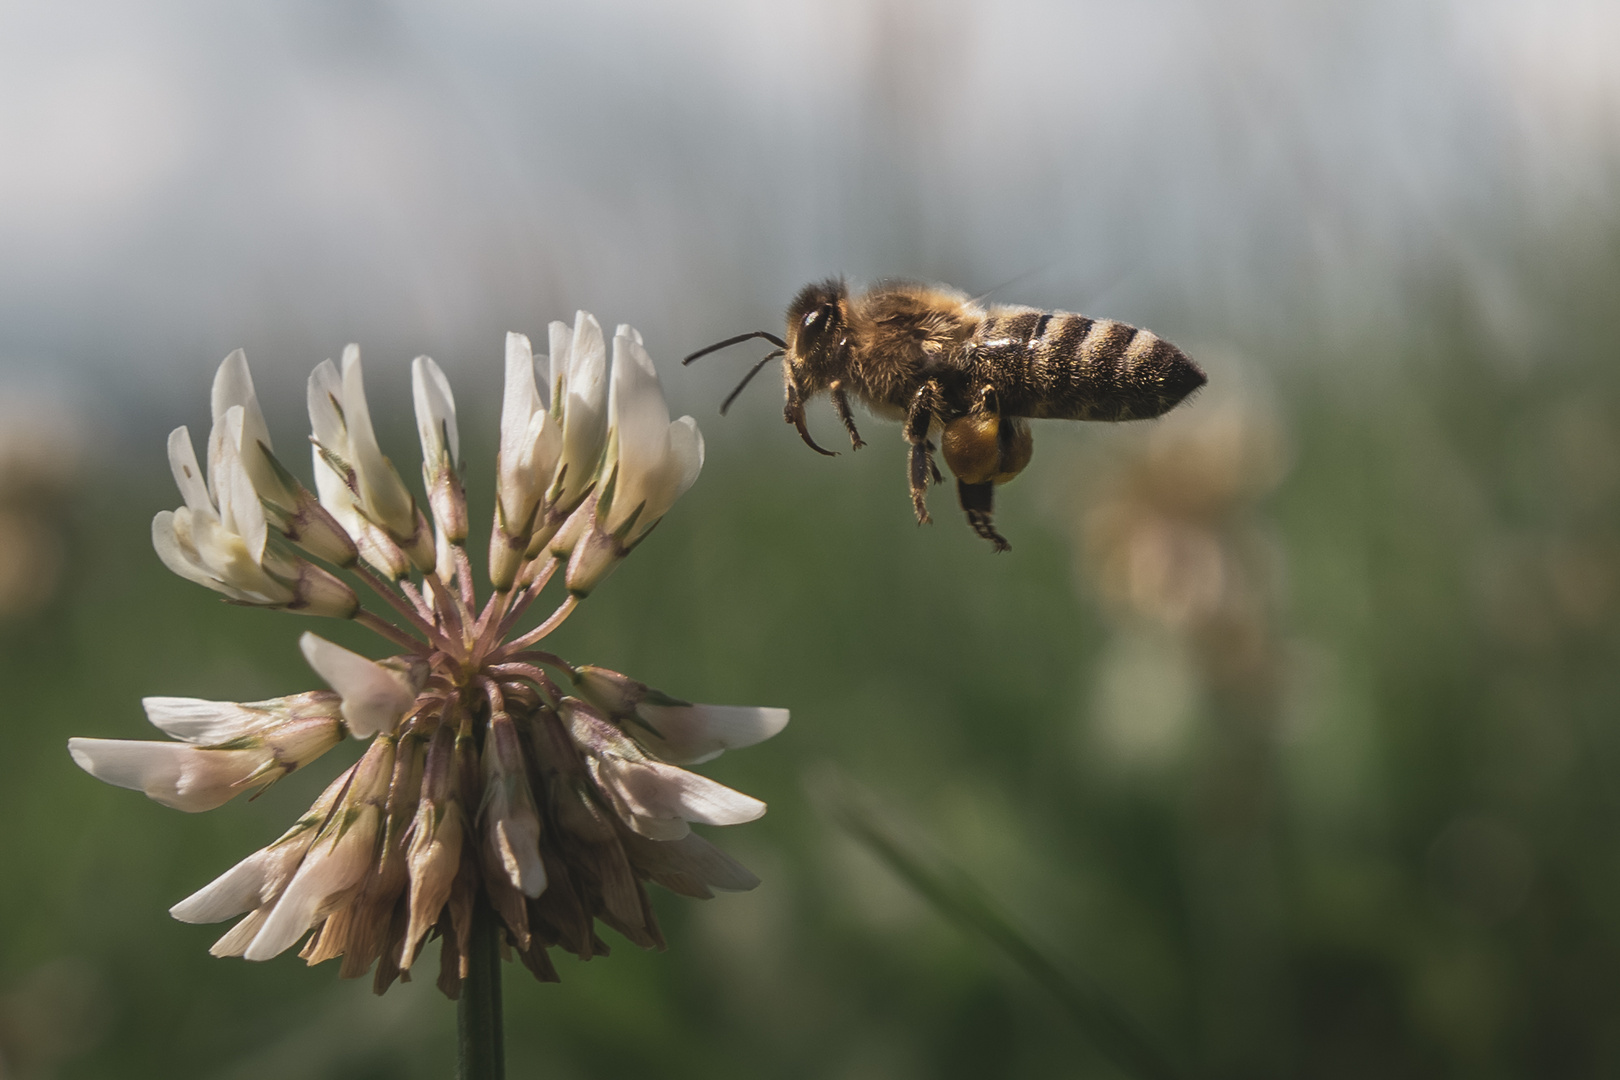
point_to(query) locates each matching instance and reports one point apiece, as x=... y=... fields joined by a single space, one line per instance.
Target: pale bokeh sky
x=177 y=178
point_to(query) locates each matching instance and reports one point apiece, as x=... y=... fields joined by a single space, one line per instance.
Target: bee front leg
x=793 y=413
x=977 y=501
x=919 y=418
x=840 y=402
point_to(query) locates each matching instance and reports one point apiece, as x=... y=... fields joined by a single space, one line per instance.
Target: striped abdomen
x=1057 y=365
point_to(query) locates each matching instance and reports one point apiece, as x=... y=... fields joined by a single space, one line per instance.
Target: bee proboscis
x=934 y=359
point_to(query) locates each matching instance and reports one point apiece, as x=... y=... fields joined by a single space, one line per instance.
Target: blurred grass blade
x=961 y=901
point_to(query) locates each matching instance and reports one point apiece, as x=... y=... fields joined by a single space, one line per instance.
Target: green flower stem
x=1115 y=1033
x=480 y=1041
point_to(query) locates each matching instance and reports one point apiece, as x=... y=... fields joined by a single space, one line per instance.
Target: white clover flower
x=220 y=538
x=485 y=788
x=650 y=462
x=357 y=484
x=549 y=454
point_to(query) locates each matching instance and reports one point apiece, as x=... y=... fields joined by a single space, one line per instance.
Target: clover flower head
x=497 y=773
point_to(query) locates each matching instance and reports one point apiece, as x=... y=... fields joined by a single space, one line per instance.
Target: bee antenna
x=726 y=404
x=739 y=339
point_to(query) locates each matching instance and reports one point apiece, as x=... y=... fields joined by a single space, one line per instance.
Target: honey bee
x=934 y=359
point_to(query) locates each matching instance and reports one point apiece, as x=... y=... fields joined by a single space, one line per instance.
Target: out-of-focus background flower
x=1292 y=718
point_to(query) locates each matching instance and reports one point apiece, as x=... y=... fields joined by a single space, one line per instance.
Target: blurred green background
x=1292 y=720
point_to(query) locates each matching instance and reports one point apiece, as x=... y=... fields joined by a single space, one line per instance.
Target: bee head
x=818 y=333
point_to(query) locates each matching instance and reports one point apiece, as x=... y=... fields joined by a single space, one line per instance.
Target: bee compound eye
x=812 y=317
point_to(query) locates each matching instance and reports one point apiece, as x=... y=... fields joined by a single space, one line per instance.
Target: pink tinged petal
x=375 y=697
x=510 y=818
x=692 y=734
x=659 y=799
x=690 y=866
x=188 y=475
x=435 y=412
x=433 y=859
x=664 y=791
x=185 y=777
x=594 y=556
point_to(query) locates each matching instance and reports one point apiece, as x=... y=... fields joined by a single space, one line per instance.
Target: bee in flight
x=934 y=359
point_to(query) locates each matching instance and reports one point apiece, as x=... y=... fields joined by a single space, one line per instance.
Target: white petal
x=562 y=351
x=240 y=936
x=178 y=557
x=659 y=791
x=585 y=410
x=691 y=734
x=521 y=399
x=375 y=697
x=331 y=868
x=226 y=556
x=240 y=509
x=174 y=774
x=435 y=411
x=241 y=888
x=233 y=385
x=188 y=475
x=384 y=494
x=194 y=720
x=326 y=420
x=651 y=473
x=676 y=473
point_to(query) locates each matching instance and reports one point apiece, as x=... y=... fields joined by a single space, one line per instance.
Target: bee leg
x=919 y=418
x=933 y=466
x=977 y=500
x=840 y=402
x=793 y=413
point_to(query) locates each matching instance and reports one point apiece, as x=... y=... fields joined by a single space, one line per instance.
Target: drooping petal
x=259 y=879
x=175 y=774
x=337 y=861
x=195 y=720
x=664 y=793
x=690 y=866
x=375 y=696
x=511 y=821
x=693 y=734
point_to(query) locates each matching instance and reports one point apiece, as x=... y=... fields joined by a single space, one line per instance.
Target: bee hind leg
x=919 y=418
x=978 y=501
x=840 y=402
